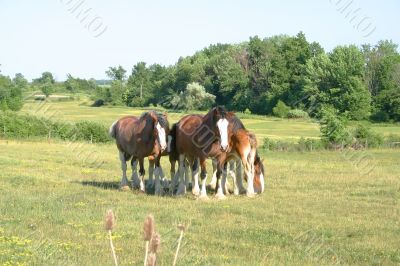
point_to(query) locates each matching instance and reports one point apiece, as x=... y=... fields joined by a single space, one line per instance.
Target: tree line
x=259 y=76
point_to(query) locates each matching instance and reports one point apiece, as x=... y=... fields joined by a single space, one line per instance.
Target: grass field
x=319 y=208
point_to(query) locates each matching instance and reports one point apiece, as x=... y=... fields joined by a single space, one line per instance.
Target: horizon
x=86 y=37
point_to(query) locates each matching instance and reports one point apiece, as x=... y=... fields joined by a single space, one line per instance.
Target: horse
x=234 y=169
x=201 y=137
x=244 y=150
x=137 y=138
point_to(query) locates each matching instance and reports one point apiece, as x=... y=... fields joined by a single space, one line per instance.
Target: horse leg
x=187 y=168
x=151 y=172
x=239 y=178
x=135 y=178
x=124 y=181
x=159 y=175
x=181 y=175
x=142 y=173
x=213 y=182
x=248 y=169
x=174 y=176
x=203 y=175
x=220 y=181
x=195 y=175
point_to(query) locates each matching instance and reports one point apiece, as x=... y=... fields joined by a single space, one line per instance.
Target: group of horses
x=219 y=135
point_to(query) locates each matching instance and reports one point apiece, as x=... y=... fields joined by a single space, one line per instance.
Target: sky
x=85 y=37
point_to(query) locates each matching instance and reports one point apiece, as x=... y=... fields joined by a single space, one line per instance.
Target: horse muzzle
x=224 y=148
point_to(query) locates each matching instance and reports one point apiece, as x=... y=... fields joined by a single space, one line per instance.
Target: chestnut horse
x=137 y=138
x=201 y=137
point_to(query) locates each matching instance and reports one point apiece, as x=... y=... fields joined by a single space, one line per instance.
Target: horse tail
x=112 y=131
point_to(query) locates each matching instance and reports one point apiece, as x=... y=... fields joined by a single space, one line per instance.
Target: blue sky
x=48 y=36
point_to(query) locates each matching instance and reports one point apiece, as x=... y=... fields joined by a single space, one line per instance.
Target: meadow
x=319 y=208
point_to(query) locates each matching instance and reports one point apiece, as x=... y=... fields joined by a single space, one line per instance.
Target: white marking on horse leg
x=203 y=191
x=124 y=180
x=248 y=169
x=195 y=184
x=213 y=183
x=220 y=192
x=135 y=178
x=181 y=174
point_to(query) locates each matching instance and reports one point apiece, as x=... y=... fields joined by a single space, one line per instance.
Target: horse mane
x=236 y=122
x=160 y=117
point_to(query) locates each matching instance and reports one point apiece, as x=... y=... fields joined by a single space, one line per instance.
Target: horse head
x=160 y=128
x=258 y=175
x=220 y=125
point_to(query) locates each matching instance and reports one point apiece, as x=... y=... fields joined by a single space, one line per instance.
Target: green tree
x=10 y=94
x=337 y=79
x=281 y=109
x=46 y=78
x=194 y=97
x=333 y=128
x=116 y=73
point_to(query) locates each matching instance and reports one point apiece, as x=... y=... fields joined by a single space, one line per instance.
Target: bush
x=310 y=144
x=14 y=125
x=365 y=137
x=297 y=114
x=88 y=130
x=281 y=109
x=277 y=145
x=247 y=111
x=333 y=129
x=98 y=103
x=380 y=116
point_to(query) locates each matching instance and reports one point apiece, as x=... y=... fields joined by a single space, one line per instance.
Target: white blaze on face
x=161 y=136
x=222 y=125
x=262 y=183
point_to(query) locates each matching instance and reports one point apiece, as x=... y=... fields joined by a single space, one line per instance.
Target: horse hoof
x=220 y=196
x=181 y=190
x=236 y=192
x=124 y=188
x=212 y=186
x=196 y=192
x=251 y=194
x=203 y=197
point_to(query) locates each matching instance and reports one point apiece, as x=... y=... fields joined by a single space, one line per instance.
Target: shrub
x=98 y=103
x=297 y=113
x=247 y=111
x=14 y=125
x=333 y=129
x=310 y=144
x=365 y=137
x=380 y=116
x=88 y=130
x=281 y=109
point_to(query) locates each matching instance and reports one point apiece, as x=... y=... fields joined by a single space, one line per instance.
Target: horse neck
x=147 y=128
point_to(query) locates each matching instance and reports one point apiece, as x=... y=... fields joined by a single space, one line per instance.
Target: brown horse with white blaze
x=137 y=138
x=201 y=137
